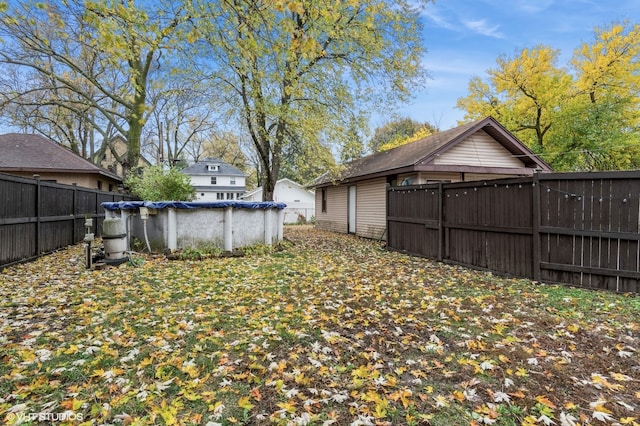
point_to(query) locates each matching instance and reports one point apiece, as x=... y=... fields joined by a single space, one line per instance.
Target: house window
x=324 y=200
x=229 y=195
x=238 y=195
x=214 y=180
x=100 y=185
x=219 y=196
x=232 y=181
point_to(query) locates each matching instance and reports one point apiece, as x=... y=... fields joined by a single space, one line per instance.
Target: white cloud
x=432 y=14
x=481 y=26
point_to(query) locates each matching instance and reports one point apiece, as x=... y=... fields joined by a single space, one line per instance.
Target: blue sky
x=464 y=38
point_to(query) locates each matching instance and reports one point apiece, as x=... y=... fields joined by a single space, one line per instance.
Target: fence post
x=73 y=210
x=535 y=206
x=387 y=187
x=440 y=222
x=38 y=202
x=96 y=209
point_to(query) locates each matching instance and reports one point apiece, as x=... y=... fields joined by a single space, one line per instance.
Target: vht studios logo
x=18 y=418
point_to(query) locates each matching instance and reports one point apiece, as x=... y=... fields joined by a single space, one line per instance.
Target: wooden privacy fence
x=37 y=217
x=574 y=228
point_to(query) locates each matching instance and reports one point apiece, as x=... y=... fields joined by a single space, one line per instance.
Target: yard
x=329 y=329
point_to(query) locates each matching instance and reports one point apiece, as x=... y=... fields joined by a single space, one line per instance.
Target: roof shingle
x=35 y=153
x=422 y=151
x=200 y=168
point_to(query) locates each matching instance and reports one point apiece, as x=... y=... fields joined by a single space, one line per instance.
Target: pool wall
x=178 y=225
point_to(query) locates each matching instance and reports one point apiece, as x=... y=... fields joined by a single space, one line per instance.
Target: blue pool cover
x=133 y=205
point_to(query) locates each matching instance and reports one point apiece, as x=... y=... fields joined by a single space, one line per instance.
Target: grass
x=325 y=329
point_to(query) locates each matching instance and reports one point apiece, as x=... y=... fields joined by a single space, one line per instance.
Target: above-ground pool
x=178 y=225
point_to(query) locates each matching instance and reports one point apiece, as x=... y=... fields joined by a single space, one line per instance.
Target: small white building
x=299 y=200
x=215 y=180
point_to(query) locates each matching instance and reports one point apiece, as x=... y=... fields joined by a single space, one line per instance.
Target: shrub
x=158 y=184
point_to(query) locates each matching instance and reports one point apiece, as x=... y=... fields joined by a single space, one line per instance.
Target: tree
x=397 y=132
x=610 y=66
x=588 y=119
x=298 y=73
x=522 y=92
x=31 y=99
x=353 y=147
x=183 y=120
x=124 y=42
x=599 y=127
x=595 y=136
x=158 y=184
x=303 y=162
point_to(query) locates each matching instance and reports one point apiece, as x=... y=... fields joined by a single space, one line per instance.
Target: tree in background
x=398 y=132
x=297 y=72
x=300 y=78
x=158 y=184
x=599 y=128
x=586 y=119
x=183 y=120
x=523 y=92
x=303 y=162
x=595 y=136
x=93 y=60
x=31 y=98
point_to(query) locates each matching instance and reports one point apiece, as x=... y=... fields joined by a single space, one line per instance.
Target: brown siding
x=371 y=209
x=335 y=218
x=479 y=149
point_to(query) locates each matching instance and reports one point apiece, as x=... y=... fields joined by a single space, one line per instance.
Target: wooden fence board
x=38 y=217
x=575 y=228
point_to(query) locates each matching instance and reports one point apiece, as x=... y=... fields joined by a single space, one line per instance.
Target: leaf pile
x=331 y=330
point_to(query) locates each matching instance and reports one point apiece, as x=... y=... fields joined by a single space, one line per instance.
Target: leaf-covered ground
x=331 y=330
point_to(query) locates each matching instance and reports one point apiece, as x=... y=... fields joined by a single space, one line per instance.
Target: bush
x=158 y=184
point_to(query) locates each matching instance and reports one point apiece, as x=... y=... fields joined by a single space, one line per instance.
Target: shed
x=299 y=200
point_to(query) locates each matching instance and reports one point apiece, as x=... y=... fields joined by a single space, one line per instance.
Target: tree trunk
x=133 y=145
x=268 y=188
x=137 y=118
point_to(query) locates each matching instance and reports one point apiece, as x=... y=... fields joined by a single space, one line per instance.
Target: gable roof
x=35 y=153
x=200 y=168
x=421 y=154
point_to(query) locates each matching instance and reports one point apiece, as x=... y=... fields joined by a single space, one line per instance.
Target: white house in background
x=215 y=180
x=299 y=200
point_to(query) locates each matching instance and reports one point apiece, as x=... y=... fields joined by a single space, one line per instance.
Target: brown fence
x=575 y=228
x=37 y=217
